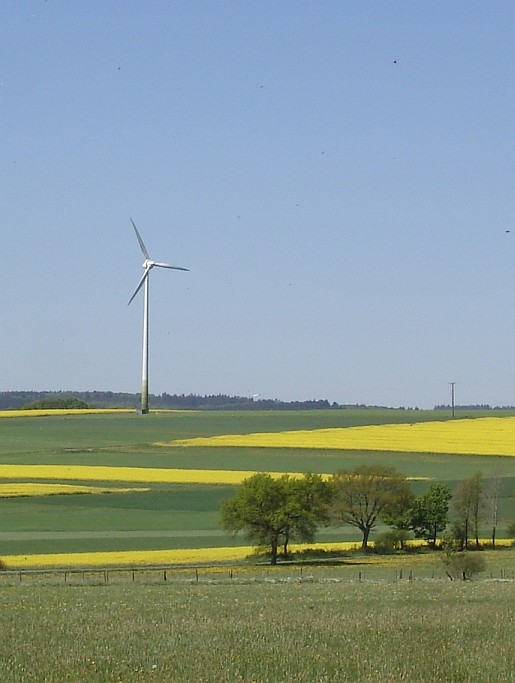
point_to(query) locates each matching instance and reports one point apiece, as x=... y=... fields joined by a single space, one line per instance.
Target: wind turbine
x=148 y=264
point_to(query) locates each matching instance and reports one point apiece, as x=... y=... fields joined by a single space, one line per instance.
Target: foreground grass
x=261 y=632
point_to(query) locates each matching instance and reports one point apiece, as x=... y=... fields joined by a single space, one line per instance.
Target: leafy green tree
x=273 y=511
x=365 y=495
x=430 y=513
x=307 y=507
x=398 y=515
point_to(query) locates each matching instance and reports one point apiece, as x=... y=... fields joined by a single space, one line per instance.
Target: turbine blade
x=140 y=285
x=141 y=243
x=167 y=265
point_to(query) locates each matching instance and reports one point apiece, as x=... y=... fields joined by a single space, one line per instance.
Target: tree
x=398 y=515
x=460 y=563
x=493 y=497
x=273 y=511
x=366 y=494
x=307 y=508
x=429 y=514
x=467 y=508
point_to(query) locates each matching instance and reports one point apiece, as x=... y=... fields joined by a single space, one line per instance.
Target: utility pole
x=452 y=397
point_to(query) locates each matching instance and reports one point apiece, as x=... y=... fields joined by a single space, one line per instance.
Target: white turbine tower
x=148 y=264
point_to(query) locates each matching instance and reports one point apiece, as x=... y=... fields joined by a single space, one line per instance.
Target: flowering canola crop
x=59 y=412
x=479 y=436
x=141 y=557
x=25 y=489
x=154 y=475
x=149 y=558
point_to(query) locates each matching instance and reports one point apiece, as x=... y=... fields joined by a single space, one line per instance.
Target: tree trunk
x=273 y=552
x=285 y=545
x=364 y=543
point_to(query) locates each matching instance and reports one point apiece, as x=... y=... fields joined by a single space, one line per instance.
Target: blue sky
x=338 y=176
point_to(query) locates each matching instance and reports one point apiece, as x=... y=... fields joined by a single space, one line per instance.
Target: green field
x=186 y=516
x=284 y=629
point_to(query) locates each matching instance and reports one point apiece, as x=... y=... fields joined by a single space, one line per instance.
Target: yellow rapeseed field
x=24 y=489
x=131 y=558
x=62 y=411
x=135 y=558
x=154 y=475
x=149 y=558
x=59 y=412
x=480 y=436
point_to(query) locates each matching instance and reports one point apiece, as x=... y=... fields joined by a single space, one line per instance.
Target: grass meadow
x=261 y=631
x=145 y=510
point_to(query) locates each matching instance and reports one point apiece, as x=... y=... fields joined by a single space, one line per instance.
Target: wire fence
x=216 y=574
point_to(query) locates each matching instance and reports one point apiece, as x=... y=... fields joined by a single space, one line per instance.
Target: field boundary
x=285 y=572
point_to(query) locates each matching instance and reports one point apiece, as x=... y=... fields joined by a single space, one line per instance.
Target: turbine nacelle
x=148 y=263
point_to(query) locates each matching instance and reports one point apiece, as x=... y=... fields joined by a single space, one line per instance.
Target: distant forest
x=481 y=406
x=11 y=400
x=15 y=400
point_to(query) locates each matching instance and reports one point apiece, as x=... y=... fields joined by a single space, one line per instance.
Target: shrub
x=464 y=565
x=392 y=540
x=459 y=563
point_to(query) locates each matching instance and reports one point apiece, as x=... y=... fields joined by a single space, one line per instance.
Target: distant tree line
x=16 y=400
x=13 y=400
x=57 y=403
x=477 y=406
